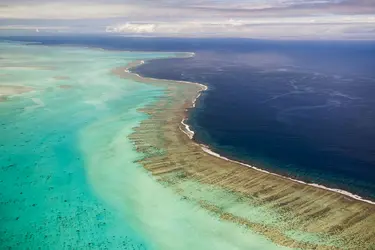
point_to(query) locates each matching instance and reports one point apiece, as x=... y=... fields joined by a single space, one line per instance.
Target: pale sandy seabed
x=103 y=163
x=8 y=90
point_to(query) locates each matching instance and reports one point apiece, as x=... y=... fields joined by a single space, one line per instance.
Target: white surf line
x=187 y=131
x=340 y=191
x=128 y=70
x=190 y=133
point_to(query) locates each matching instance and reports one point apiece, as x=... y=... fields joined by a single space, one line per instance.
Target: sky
x=338 y=19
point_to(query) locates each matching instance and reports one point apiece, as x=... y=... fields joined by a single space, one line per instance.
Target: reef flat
x=286 y=211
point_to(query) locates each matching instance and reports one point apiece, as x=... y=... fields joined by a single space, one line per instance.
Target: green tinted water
x=68 y=178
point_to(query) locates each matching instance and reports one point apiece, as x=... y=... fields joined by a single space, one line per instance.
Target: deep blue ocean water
x=305 y=109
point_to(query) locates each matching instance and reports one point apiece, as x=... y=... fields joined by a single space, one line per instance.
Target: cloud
x=65 y=11
x=132 y=28
x=329 y=27
x=256 y=18
x=158 y=9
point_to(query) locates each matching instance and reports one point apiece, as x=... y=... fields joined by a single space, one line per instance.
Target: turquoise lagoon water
x=68 y=178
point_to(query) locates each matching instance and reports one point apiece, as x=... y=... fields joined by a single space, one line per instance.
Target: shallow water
x=68 y=178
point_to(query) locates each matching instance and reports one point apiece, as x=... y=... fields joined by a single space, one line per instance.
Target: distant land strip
x=289 y=212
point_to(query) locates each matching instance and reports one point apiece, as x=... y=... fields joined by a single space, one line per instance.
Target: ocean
x=304 y=109
x=301 y=109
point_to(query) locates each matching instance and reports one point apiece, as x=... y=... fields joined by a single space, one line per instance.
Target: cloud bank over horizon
x=351 y=19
